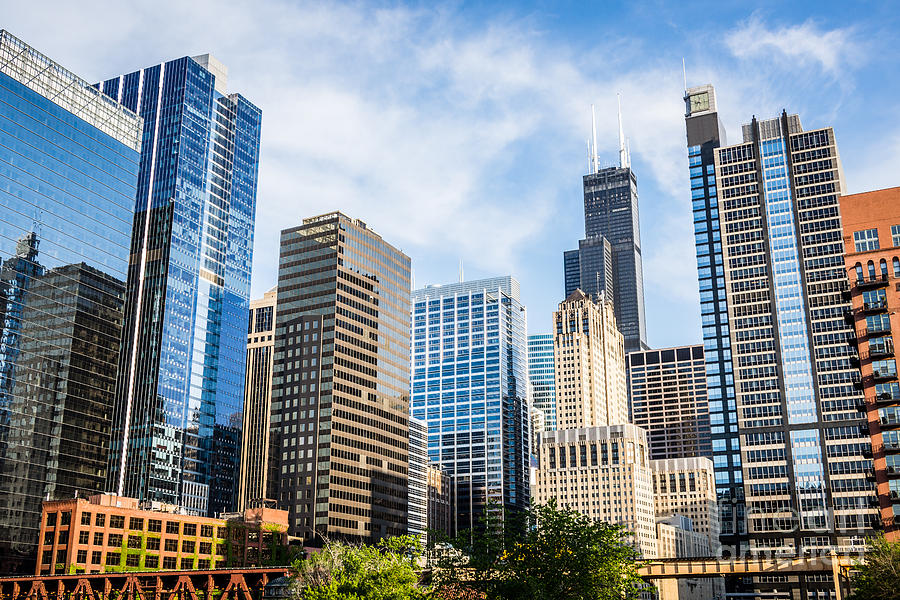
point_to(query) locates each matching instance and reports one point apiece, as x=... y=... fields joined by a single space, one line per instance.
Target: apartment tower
x=177 y=420
x=68 y=177
x=340 y=398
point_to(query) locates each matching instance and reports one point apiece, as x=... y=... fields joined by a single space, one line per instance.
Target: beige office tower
x=340 y=401
x=255 y=436
x=687 y=487
x=603 y=473
x=589 y=354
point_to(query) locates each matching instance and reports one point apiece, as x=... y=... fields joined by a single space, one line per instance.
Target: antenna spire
x=624 y=158
x=461 y=278
x=595 y=163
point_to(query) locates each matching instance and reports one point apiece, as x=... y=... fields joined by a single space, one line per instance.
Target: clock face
x=699 y=102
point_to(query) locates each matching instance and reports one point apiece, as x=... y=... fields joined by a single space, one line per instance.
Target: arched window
x=883 y=265
x=871 y=269
x=859 y=272
x=896 y=267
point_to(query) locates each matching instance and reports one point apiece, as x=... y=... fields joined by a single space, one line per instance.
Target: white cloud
x=800 y=45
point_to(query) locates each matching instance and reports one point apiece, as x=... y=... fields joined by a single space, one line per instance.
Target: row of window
x=134 y=523
x=867 y=239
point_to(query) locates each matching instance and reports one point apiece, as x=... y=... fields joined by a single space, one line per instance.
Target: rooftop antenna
x=684 y=75
x=461 y=279
x=624 y=160
x=595 y=167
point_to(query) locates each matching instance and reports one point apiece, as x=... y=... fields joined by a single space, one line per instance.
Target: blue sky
x=458 y=131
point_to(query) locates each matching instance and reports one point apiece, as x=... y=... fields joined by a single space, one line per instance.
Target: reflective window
x=866 y=240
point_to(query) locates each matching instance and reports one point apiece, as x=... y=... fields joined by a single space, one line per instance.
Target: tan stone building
x=255 y=436
x=687 y=487
x=603 y=473
x=589 y=356
x=108 y=533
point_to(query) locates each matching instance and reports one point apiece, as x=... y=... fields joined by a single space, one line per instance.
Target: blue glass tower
x=179 y=400
x=68 y=175
x=542 y=374
x=470 y=385
x=705 y=133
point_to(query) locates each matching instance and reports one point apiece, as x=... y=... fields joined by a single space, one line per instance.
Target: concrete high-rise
x=705 y=133
x=667 y=391
x=686 y=486
x=542 y=375
x=610 y=254
x=68 y=178
x=871 y=227
x=796 y=377
x=417 y=519
x=470 y=385
x=340 y=398
x=256 y=447
x=589 y=357
x=177 y=420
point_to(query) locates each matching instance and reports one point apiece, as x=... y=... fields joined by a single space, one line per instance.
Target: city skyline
x=473 y=63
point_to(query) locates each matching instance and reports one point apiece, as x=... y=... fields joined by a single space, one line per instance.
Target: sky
x=458 y=131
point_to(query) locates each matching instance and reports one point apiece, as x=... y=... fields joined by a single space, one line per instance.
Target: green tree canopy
x=545 y=553
x=878 y=578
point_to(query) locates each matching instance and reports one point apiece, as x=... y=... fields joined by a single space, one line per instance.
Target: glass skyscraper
x=542 y=374
x=705 y=134
x=68 y=174
x=470 y=385
x=176 y=426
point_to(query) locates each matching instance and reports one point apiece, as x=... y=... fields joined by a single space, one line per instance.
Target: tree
x=545 y=553
x=877 y=578
x=341 y=571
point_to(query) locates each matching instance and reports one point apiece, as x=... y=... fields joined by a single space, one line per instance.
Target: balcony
x=894 y=496
x=888 y=422
x=871 y=308
x=891 y=448
x=882 y=376
x=881 y=350
x=892 y=472
x=861 y=406
x=874 y=502
x=885 y=399
x=867 y=452
x=872 y=282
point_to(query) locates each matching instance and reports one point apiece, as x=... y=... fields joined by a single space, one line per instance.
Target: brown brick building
x=108 y=533
x=871 y=223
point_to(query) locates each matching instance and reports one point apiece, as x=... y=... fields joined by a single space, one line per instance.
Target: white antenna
x=624 y=160
x=595 y=166
x=461 y=279
x=684 y=74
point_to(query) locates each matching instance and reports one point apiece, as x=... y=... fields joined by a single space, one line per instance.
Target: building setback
x=542 y=376
x=470 y=385
x=68 y=176
x=871 y=231
x=667 y=390
x=589 y=357
x=705 y=133
x=254 y=484
x=796 y=376
x=340 y=400
x=177 y=420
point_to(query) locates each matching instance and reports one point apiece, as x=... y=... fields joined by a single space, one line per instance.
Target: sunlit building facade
x=542 y=376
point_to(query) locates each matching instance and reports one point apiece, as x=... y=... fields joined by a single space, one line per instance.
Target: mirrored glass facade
x=470 y=385
x=177 y=420
x=542 y=374
x=68 y=175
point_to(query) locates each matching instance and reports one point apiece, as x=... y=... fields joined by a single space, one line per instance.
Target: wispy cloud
x=805 y=44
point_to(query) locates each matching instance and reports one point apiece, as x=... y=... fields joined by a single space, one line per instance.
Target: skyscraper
x=68 y=176
x=589 y=357
x=542 y=375
x=667 y=390
x=470 y=385
x=340 y=400
x=705 y=134
x=256 y=440
x=796 y=377
x=417 y=520
x=176 y=425
x=612 y=243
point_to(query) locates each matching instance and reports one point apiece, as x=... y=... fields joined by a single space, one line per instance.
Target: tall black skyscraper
x=610 y=254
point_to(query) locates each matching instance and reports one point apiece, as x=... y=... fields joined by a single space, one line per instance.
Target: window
x=152 y=543
x=133 y=560
x=47 y=557
x=171 y=545
x=206 y=531
x=203 y=564
x=115 y=539
x=151 y=561
x=117 y=522
x=96 y=557
x=98 y=538
x=190 y=529
x=113 y=558
x=135 y=523
x=61 y=556
x=63 y=538
x=134 y=541
x=205 y=548
x=187 y=564
x=170 y=563
x=895 y=235
x=100 y=521
x=220 y=549
x=222 y=533
x=188 y=546
x=172 y=527
x=154 y=525
x=85 y=518
x=865 y=240
x=48 y=538
x=51 y=519
x=84 y=537
x=65 y=518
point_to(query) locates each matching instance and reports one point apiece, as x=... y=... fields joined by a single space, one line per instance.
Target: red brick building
x=871 y=224
x=107 y=533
